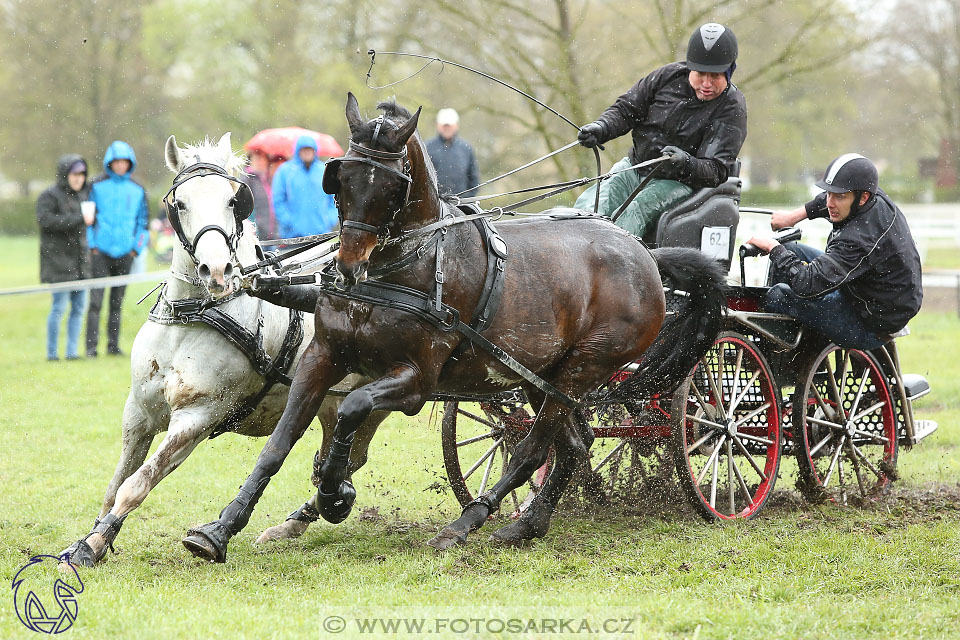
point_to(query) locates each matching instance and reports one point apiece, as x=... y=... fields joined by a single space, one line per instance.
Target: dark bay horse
x=580 y=298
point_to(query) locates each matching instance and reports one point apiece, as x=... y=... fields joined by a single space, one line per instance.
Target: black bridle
x=368 y=156
x=241 y=203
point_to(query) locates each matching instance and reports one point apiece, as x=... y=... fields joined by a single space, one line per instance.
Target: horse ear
x=172 y=155
x=224 y=148
x=407 y=128
x=354 y=119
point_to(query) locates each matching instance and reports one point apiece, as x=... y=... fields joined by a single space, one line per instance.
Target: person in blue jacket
x=301 y=206
x=118 y=234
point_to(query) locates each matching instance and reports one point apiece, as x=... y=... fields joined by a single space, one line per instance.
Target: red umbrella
x=280 y=142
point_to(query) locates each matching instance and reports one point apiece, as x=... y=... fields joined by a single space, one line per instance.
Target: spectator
x=452 y=157
x=301 y=206
x=116 y=238
x=257 y=177
x=63 y=249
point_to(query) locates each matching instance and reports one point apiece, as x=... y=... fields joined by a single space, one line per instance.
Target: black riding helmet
x=851 y=172
x=712 y=49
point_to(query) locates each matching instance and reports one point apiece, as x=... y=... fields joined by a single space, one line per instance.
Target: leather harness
x=431 y=308
x=274 y=370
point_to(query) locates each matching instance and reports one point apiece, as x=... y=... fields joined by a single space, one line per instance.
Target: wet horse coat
x=580 y=298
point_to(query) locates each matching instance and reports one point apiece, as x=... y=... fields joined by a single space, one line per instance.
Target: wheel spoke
x=856 y=469
x=747 y=436
x=477 y=418
x=827 y=409
x=700 y=441
x=715 y=425
x=832 y=384
x=713 y=455
x=736 y=382
x=750 y=459
x=703 y=401
x=859 y=396
x=482 y=459
x=606 y=458
x=820 y=444
x=740 y=481
x=713 y=477
x=486 y=475
x=731 y=489
x=826 y=423
x=866 y=461
x=833 y=462
x=746 y=389
x=873 y=436
x=461 y=443
x=713 y=384
x=753 y=414
x=873 y=409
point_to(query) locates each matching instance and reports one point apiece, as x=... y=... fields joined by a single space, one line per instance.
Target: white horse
x=189 y=378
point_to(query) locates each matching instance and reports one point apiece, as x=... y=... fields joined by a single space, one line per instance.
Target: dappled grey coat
x=63 y=235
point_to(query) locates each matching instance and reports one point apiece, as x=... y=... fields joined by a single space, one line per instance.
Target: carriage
x=768 y=390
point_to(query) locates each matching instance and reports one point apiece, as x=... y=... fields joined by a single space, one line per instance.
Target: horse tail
x=688 y=333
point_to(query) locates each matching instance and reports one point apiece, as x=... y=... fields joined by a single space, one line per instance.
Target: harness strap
x=247 y=342
x=489 y=300
x=446 y=319
x=282 y=363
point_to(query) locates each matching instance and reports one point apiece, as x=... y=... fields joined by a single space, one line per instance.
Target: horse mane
x=207 y=151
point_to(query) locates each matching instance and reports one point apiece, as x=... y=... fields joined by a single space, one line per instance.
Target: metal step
x=922 y=429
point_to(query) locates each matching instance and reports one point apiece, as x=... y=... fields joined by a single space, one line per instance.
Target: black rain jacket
x=663 y=109
x=870 y=257
x=63 y=234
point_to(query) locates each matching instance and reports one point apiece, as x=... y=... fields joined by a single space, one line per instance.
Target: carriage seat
x=707 y=220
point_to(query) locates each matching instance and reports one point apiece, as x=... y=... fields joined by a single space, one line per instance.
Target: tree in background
x=75 y=79
x=930 y=31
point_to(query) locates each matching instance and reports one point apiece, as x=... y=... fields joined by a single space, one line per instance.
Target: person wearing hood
x=119 y=234
x=63 y=249
x=301 y=206
x=867 y=284
x=688 y=111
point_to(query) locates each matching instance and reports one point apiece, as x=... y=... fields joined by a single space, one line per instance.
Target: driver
x=688 y=111
x=867 y=283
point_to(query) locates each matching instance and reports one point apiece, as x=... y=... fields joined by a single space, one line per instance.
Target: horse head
x=374 y=183
x=208 y=196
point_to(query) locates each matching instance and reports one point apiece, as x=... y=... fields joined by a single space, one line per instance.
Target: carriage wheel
x=630 y=461
x=847 y=434
x=726 y=444
x=478 y=440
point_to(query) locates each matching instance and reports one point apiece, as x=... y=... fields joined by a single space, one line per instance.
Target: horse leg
x=298 y=521
x=314 y=376
x=399 y=390
x=529 y=456
x=534 y=522
x=136 y=440
x=187 y=429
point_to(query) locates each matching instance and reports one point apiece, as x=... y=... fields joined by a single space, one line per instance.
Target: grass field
x=889 y=570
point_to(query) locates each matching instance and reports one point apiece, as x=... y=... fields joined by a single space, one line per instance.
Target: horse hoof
x=208 y=542
x=447 y=538
x=287 y=531
x=335 y=507
x=81 y=554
